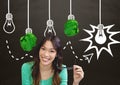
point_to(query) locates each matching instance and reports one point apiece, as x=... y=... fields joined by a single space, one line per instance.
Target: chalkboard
x=101 y=68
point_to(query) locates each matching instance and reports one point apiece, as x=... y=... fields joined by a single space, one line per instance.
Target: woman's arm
x=78 y=74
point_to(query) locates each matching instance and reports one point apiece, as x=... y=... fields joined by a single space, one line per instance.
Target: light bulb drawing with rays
x=101 y=39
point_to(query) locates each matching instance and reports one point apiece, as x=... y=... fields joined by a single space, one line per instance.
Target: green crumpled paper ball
x=28 y=41
x=71 y=28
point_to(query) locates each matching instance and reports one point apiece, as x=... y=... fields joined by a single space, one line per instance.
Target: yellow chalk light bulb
x=100 y=36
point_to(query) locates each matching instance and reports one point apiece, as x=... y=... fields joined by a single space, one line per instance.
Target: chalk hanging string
x=8 y=6
x=50 y=27
x=100 y=25
x=70 y=7
x=71 y=16
x=28 y=14
x=49 y=10
x=28 y=30
x=99 y=11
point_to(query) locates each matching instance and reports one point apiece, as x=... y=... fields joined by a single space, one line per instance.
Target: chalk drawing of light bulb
x=9 y=26
x=100 y=36
x=49 y=28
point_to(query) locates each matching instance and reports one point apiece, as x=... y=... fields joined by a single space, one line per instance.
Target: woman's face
x=47 y=53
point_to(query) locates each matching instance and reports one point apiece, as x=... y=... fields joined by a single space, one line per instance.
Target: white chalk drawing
x=92 y=46
x=50 y=23
x=13 y=56
x=88 y=57
x=9 y=26
x=100 y=37
x=28 y=29
x=103 y=34
x=71 y=47
x=71 y=16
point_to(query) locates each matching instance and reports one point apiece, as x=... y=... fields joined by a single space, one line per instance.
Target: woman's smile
x=47 y=53
x=44 y=59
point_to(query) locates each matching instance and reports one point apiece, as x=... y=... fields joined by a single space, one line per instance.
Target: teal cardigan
x=26 y=72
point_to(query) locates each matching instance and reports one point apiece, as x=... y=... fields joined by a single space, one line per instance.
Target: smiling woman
x=44 y=69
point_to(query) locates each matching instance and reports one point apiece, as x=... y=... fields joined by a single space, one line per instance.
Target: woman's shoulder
x=64 y=70
x=63 y=74
x=27 y=65
x=26 y=71
x=63 y=65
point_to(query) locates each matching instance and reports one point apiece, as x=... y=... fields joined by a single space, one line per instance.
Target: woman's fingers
x=78 y=71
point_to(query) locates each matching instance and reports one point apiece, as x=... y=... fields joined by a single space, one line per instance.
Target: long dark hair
x=57 y=61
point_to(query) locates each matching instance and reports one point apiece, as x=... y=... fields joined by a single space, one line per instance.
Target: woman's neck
x=45 y=67
x=46 y=71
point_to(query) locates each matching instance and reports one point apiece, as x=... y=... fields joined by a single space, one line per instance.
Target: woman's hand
x=78 y=74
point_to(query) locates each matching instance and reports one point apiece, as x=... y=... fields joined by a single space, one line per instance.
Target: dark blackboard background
x=104 y=71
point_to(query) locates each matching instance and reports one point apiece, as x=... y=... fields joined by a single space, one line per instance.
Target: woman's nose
x=46 y=53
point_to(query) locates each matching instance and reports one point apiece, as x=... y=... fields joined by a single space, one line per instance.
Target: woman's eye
x=42 y=48
x=52 y=51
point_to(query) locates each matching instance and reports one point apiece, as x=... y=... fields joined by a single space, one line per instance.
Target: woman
x=45 y=69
